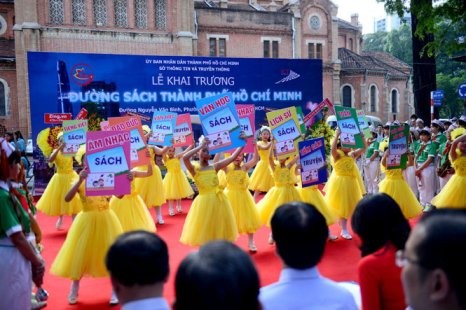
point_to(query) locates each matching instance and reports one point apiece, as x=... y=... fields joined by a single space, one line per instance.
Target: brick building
x=376 y=82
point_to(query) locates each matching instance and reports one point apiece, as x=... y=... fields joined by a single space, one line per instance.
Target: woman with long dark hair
x=383 y=230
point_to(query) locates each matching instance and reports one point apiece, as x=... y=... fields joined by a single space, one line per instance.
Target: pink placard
x=108 y=160
x=183 y=133
x=246 y=113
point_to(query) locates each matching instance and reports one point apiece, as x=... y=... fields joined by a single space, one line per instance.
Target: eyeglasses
x=401 y=259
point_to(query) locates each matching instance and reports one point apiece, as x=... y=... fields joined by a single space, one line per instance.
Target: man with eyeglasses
x=434 y=262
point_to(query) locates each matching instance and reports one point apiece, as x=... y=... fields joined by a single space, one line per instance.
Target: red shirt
x=380 y=281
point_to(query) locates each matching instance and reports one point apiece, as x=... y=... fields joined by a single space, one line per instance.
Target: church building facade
x=375 y=82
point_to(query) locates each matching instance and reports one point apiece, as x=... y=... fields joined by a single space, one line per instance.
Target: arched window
x=3 y=98
x=347 y=96
x=57 y=12
x=121 y=15
x=160 y=14
x=100 y=12
x=394 y=101
x=140 y=11
x=78 y=8
x=373 y=98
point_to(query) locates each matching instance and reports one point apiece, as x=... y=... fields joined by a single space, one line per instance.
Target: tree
x=399 y=43
x=452 y=105
x=422 y=17
x=375 y=41
x=430 y=18
x=396 y=42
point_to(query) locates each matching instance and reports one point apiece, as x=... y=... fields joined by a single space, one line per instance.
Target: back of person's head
x=138 y=258
x=444 y=233
x=300 y=233
x=218 y=276
x=378 y=220
x=19 y=135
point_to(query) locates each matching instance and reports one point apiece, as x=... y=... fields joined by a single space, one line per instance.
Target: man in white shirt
x=300 y=233
x=138 y=266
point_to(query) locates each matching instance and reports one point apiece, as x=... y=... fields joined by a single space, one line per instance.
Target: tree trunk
x=424 y=79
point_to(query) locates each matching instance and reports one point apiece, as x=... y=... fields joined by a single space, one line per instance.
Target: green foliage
x=375 y=41
x=452 y=105
x=432 y=21
x=399 y=43
x=396 y=42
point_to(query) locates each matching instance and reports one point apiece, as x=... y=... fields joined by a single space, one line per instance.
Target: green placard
x=398 y=147
x=350 y=134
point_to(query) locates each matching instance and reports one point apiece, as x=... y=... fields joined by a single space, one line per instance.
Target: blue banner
x=117 y=85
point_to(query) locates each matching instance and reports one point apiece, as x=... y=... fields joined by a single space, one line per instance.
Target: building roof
x=7 y=48
x=343 y=24
x=389 y=59
x=378 y=62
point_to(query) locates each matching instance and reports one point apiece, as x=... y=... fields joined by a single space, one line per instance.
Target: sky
x=368 y=10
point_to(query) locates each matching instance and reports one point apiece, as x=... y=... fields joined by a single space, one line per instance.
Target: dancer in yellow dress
x=261 y=178
x=345 y=187
x=150 y=188
x=453 y=194
x=222 y=176
x=396 y=187
x=175 y=183
x=52 y=202
x=282 y=192
x=92 y=232
x=242 y=202
x=131 y=209
x=211 y=216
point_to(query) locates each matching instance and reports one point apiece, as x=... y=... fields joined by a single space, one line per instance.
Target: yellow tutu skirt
x=176 y=186
x=83 y=252
x=244 y=209
x=262 y=177
x=453 y=195
x=150 y=188
x=222 y=178
x=276 y=196
x=132 y=213
x=313 y=196
x=52 y=202
x=342 y=193
x=210 y=218
x=400 y=191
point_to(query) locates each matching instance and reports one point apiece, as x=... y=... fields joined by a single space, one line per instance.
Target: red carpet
x=339 y=262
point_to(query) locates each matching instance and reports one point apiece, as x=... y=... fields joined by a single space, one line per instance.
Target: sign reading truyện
x=312 y=160
x=398 y=147
x=183 y=133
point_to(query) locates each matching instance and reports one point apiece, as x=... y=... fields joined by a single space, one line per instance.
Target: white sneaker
x=346 y=235
x=179 y=209
x=59 y=223
x=160 y=220
x=252 y=248
x=271 y=241
x=171 y=212
x=73 y=296
x=114 y=299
